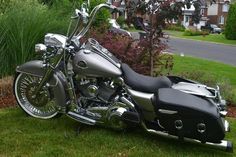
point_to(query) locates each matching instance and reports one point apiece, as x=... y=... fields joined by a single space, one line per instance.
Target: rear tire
x=42 y=106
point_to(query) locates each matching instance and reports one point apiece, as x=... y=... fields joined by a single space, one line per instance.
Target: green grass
x=216 y=69
x=208 y=72
x=21 y=135
x=217 y=38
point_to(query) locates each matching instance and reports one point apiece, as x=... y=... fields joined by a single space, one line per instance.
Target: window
x=202 y=11
x=221 y=20
x=225 y=8
x=187 y=19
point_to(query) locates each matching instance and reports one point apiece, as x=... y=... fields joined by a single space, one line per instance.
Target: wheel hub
x=42 y=97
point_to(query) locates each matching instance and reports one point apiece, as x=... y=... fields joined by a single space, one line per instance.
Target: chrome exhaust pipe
x=81 y=118
x=224 y=145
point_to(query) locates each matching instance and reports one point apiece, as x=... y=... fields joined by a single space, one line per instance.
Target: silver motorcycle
x=89 y=84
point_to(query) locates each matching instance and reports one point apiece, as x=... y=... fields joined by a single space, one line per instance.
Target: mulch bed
x=7 y=99
x=231 y=111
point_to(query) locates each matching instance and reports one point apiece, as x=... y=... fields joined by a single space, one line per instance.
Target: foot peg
x=81 y=118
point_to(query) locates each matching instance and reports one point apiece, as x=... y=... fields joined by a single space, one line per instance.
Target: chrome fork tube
x=49 y=71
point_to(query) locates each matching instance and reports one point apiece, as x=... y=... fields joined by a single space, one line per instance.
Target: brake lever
x=74 y=17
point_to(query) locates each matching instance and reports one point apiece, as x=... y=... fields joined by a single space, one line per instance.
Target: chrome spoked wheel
x=42 y=105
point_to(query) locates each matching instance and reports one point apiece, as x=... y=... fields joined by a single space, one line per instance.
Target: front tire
x=42 y=106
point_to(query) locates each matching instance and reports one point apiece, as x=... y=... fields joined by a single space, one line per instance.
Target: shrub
x=121 y=21
x=230 y=29
x=102 y=16
x=195 y=33
x=21 y=27
x=132 y=52
x=123 y=48
x=175 y=28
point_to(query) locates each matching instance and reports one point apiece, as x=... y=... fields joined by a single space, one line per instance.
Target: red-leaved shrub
x=130 y=51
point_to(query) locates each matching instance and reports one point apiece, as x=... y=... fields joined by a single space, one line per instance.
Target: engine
x=96 y=88
x=103 y=99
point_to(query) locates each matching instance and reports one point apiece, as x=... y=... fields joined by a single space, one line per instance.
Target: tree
x=230 y=29
x=158 y=11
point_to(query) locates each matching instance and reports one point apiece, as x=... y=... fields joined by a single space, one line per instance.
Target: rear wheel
x=42 y=105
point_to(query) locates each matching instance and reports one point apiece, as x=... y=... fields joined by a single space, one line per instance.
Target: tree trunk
x=151 y=45
x=152 y=62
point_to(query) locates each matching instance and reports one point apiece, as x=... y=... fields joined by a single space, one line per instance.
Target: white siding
x=213 y=9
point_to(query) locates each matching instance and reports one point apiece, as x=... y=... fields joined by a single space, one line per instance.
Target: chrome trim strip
x=167 y=111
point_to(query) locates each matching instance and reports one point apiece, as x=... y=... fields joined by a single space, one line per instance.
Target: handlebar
x=92 y=15
x=83 y=15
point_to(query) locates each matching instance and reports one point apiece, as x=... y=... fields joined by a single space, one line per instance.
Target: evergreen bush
x=230 y=29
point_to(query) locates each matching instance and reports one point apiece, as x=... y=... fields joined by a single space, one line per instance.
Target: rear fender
x=57 y=81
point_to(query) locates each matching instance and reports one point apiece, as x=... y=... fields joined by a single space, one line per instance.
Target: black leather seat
x=144 y=83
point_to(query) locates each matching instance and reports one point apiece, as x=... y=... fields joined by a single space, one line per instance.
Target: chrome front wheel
x=42 y=105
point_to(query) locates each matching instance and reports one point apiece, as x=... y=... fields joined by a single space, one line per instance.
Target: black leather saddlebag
x=186 y=115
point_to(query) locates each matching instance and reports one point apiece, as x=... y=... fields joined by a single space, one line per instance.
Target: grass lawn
x=21 y=135
x=216 y=69
x=218 y=38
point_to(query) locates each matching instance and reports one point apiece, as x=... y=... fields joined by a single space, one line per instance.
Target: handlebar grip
x=111 y=6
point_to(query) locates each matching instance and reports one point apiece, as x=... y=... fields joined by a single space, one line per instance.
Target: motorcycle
x=89 y=84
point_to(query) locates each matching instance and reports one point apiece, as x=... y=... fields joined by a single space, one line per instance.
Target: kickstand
x=78 y=129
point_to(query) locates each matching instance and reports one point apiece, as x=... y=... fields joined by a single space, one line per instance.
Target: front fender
x=57 y=81
x=34 y=67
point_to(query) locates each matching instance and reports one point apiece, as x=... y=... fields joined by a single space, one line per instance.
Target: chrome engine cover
x=114 y=115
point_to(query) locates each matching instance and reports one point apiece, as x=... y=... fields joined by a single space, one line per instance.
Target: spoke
x=24 y=83
x=42 y=105
x=27 y=80
x=31 y=78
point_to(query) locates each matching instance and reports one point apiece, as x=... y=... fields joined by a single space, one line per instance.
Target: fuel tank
x=95 y=64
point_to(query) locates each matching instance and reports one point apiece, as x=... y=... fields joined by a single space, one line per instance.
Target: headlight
x=40 y=48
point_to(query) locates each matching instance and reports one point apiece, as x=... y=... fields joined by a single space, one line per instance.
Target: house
x=215 y=13
x=186 y=18
x=218 y=12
